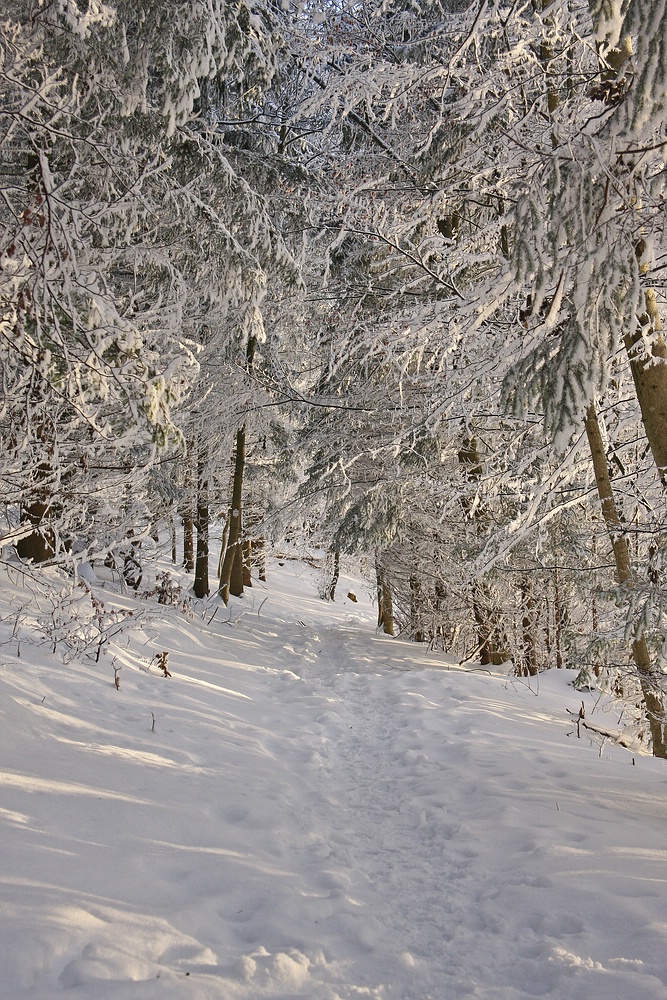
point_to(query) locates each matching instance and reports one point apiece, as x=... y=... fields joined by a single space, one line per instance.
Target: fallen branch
x=609 y=734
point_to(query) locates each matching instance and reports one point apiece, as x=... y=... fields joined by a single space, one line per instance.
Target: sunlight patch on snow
x=136 y=756
x=249 y=860
x=15 y=818
x=64 y=715
x=423 y=699
x=30 y=783
x=198 y=682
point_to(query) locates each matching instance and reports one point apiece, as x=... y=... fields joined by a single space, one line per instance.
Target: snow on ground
x=306 y=809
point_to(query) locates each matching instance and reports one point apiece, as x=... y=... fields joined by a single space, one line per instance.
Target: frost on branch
x=125 y=232
x=644 y=112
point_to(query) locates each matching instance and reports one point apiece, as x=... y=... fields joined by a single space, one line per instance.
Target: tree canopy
x=393 y=271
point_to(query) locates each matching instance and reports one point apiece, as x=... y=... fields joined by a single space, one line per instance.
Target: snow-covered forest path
x=306 y=809
x=459 y=841
x=399 y=860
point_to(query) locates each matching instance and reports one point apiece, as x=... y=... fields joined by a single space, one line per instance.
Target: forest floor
x=306 y=809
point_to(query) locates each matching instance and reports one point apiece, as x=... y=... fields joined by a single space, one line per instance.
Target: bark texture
x=648 y=364
x=651 y=690
x=385 y=599
x=201 y=586
x=231 y=575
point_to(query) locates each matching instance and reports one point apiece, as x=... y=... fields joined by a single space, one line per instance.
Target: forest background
x=384 y=273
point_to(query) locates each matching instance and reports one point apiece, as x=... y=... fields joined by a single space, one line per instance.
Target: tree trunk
x=529 y=628
x=37 y=510
x=260 y=552
x=438 y=627
x=186 y=514
x=490 y=632
x=651 y=689
x=39 y=545
x=488 y=616
x=385 y=600
x=132 y=571
x=416 y=602
x=546 y=55
x=247 y=562
x=559 y=619
x=231 y=575
x=174 y=555
x=378 y=590
x=201 y=587
x=188 y=541
x=483 y=633
x=650 y=380
x=232 y=572
x=224 y=541
x=335 y=573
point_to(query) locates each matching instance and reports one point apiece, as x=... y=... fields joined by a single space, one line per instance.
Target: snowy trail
x=317 y=813
x=386 y=853
x=397 y=868
x=476 y=895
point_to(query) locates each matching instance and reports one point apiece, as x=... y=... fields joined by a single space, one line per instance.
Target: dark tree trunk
x=201 y=587
x=559 y=619
x=186 y=514
x=231 y=575
x=488 y=616
x=38 y=508
x=416 y=602
x=385 y=600
x=39 y=545
x=529 y=628
x=335 y=573
x=260 y=552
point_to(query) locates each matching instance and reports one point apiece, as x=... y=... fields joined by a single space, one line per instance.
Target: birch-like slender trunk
x=559 y=618
x=231 y=575
x=648 y=678
x=529 y=626
x=489 y=618
x=260 y=555
x=416 y=604
x=201 y=586
x=384 y=595
x=232 y=572
x=187 y=513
